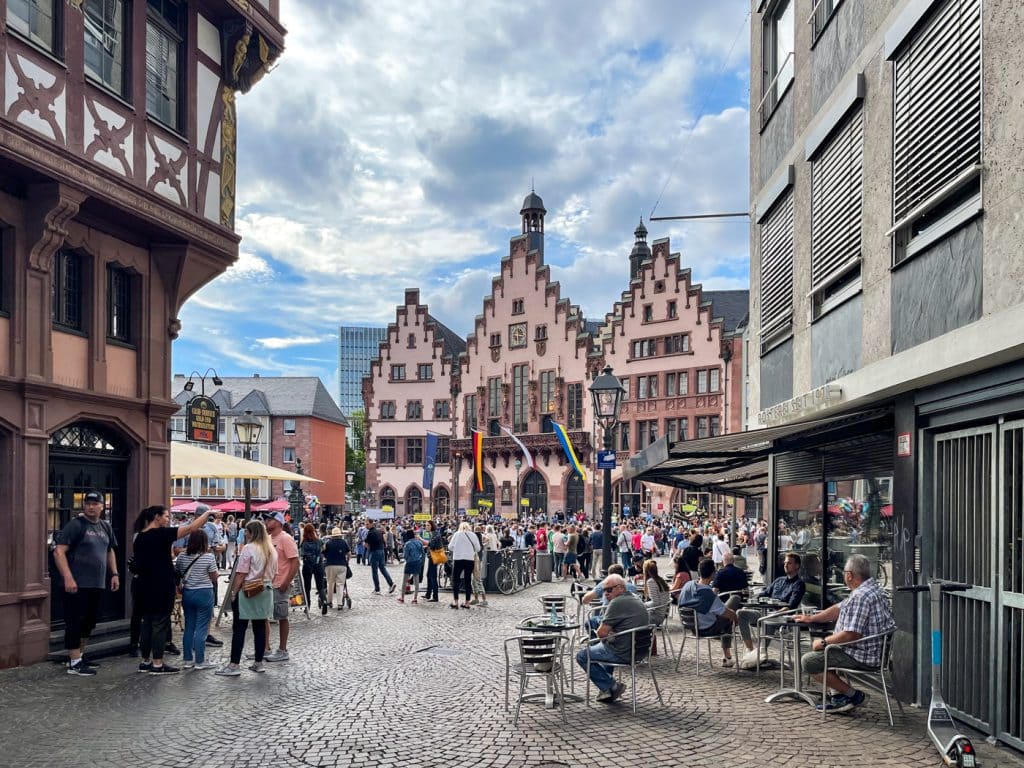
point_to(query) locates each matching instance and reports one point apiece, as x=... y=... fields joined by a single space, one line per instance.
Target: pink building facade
x=409 y=394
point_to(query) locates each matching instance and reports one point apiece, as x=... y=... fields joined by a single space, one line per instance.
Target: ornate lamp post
x=296 y=498
x=247 y=432
x=607 y=391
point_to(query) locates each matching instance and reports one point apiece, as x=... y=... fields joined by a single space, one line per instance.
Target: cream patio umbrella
x=192 y=461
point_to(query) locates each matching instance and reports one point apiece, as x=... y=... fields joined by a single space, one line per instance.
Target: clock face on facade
x=517 y=335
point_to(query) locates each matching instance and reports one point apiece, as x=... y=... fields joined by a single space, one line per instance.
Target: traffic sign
x=606 y=459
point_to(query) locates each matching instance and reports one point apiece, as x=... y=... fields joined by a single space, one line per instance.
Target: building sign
x=485 y=503
x=201 y=418
x=903 y=448
x=471 y=512
x=606 y=459
x=803 y=405
x=524 y=502
x=421 y=516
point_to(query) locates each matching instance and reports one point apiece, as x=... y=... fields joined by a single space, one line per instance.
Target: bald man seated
x=624 y=612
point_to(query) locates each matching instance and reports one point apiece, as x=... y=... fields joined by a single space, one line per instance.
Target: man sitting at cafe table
x=864 y=613
x=713 y=616
x=597 y=594
x=624 y=612
x=788 y=591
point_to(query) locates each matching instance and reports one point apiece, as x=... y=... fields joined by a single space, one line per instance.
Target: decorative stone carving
x=173 y=328
x=56 y=206
x=228 y=137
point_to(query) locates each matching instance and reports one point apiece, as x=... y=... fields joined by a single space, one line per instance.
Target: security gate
x=976 y=537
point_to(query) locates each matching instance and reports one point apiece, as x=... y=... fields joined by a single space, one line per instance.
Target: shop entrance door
x=978 y=538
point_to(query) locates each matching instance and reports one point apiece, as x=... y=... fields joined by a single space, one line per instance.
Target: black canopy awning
x=735 y=464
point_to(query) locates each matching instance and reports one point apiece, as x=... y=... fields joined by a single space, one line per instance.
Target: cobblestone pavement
x=390 y=685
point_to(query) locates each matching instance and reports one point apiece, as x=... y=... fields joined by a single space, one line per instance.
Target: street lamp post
x=519 y=502
x=607 y=391
x=247 y=432
x=217 y=381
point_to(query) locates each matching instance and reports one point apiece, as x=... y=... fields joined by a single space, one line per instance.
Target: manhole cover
x=551 y=764
x=437 y=650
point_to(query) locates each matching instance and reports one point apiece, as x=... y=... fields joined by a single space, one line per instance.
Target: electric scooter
x=956 y=748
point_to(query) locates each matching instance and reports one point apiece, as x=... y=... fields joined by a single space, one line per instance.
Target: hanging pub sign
x=202 y=416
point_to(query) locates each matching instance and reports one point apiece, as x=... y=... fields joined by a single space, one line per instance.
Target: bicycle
x=512 y=574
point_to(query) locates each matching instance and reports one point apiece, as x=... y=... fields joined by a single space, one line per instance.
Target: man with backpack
x=85 y=558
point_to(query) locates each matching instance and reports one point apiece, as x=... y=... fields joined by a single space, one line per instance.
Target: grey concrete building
x=887 y=316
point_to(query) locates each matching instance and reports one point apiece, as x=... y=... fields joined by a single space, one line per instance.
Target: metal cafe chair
x=539 y=656
x=866 y=675
x=691 y=626
x=641 y=639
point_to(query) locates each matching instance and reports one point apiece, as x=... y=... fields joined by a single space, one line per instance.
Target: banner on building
x=429 y=458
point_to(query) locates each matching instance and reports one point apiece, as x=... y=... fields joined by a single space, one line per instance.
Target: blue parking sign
x=606 y=459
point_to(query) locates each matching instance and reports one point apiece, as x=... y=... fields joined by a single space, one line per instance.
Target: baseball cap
x=93 y=496
x=274 y=516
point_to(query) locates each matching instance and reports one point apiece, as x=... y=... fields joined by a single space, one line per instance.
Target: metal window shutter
x=937 y=104
x=837 y=184
x=777 y=262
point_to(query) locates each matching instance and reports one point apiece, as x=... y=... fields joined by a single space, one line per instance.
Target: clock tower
x=533 y=222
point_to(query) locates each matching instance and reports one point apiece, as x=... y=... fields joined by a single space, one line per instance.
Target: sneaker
x=727 y=662
x=211 y=640
x=165 y=669
x=606 y=695
x=618 y=690
x=844 y=703
x=81 y=669
x=145 y=666
x=277 y=655
x=228 y=671
x=257 y=666
x=172 y=649
x=188 y=665
x=89 y=662
x=392 y=588
x=205 y=665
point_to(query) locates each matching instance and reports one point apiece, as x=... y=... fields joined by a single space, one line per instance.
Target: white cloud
x=293 y=341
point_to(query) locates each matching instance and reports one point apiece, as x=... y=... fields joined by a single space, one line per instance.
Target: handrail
x=771 y=86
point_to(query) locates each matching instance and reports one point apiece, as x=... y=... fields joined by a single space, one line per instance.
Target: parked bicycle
x=513 y=573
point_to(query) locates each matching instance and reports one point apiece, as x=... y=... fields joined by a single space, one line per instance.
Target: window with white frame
x=165 y=35
x=837 y=185
x=288 y=455
x=937 y=127
x=777 y=272
x=104 y=43
x=35 y=20
x=288 y=427
x=778 y=35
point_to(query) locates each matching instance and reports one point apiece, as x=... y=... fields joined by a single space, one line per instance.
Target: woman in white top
x=257 y=567
x=197 y=568
x=491 y=539
x=464 y=546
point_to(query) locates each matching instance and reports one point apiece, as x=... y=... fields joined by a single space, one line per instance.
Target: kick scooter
x=956 y=748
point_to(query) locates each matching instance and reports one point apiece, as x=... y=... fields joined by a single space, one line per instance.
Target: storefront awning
x=735 y=464
x=193 y=461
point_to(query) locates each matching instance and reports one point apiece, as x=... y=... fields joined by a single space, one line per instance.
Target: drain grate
x=438 y=650
x=552 y=764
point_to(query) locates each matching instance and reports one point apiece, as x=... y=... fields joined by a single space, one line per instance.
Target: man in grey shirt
x=624 y=612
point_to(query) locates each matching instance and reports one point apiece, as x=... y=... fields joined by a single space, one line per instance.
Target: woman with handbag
x=197 y=569
x=251 y=597
x=436 y=558
x=464 y=547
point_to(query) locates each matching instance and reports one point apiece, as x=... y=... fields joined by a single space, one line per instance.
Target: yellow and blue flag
x=570 y=454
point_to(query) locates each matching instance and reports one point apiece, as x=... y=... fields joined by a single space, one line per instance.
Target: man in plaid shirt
x=864 y=613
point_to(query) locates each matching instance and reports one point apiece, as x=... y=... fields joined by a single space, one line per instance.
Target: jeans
x=197 y=605
x=432 y=583
x=309 y=573
x=627 y=560
x=600 y=675
x=377 y=564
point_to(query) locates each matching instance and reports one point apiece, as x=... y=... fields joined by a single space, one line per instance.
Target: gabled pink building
x=526 y=365
x=408 y=394
x=677 y=350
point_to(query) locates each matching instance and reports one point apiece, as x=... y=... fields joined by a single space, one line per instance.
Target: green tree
x=355 y=457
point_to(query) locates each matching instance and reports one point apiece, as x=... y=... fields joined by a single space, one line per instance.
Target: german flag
x=478 y=458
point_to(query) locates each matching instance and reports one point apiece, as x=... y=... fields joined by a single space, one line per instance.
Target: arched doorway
x=487 y=495
x=535 y=490
x=86 y=456
x=442 y=501
x=574 y=494
x=413 y=500
x=387 y=497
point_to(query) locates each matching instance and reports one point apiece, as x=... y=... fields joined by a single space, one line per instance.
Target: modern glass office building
x=357 y=346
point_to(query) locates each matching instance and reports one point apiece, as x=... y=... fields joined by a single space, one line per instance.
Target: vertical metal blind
x=937 y=104
x=777 y=262
x=837 y=182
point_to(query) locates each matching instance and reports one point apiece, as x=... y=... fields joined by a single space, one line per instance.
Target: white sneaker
x=277 y=655
x=188 y=665
x=257 y=666
x=228 y=671
x=205 y=665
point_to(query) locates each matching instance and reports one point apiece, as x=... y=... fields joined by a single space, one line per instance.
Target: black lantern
x=247 y=433
x=607 y=391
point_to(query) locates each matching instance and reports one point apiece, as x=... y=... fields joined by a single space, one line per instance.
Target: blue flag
x=429 y=457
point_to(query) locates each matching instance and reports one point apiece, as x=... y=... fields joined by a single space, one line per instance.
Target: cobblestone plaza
x=421 y=686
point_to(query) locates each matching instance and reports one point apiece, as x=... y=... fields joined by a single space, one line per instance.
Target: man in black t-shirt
x=85 y=558
x=375 y=554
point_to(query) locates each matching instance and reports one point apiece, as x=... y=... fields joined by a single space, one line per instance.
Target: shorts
x=569 y=559
x=81 y=609
x=281 y=604
x=414 y=568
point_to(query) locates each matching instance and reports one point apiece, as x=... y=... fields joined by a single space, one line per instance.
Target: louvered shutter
x=837 y=182
x=937 y=104
x=777 y=264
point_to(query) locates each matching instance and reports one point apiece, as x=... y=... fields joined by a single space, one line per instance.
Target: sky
x=393 y=143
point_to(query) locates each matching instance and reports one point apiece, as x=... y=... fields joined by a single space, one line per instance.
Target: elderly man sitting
x=624 y=612
x=864 y=613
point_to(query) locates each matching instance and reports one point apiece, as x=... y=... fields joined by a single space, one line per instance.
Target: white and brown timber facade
x=117 y=190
